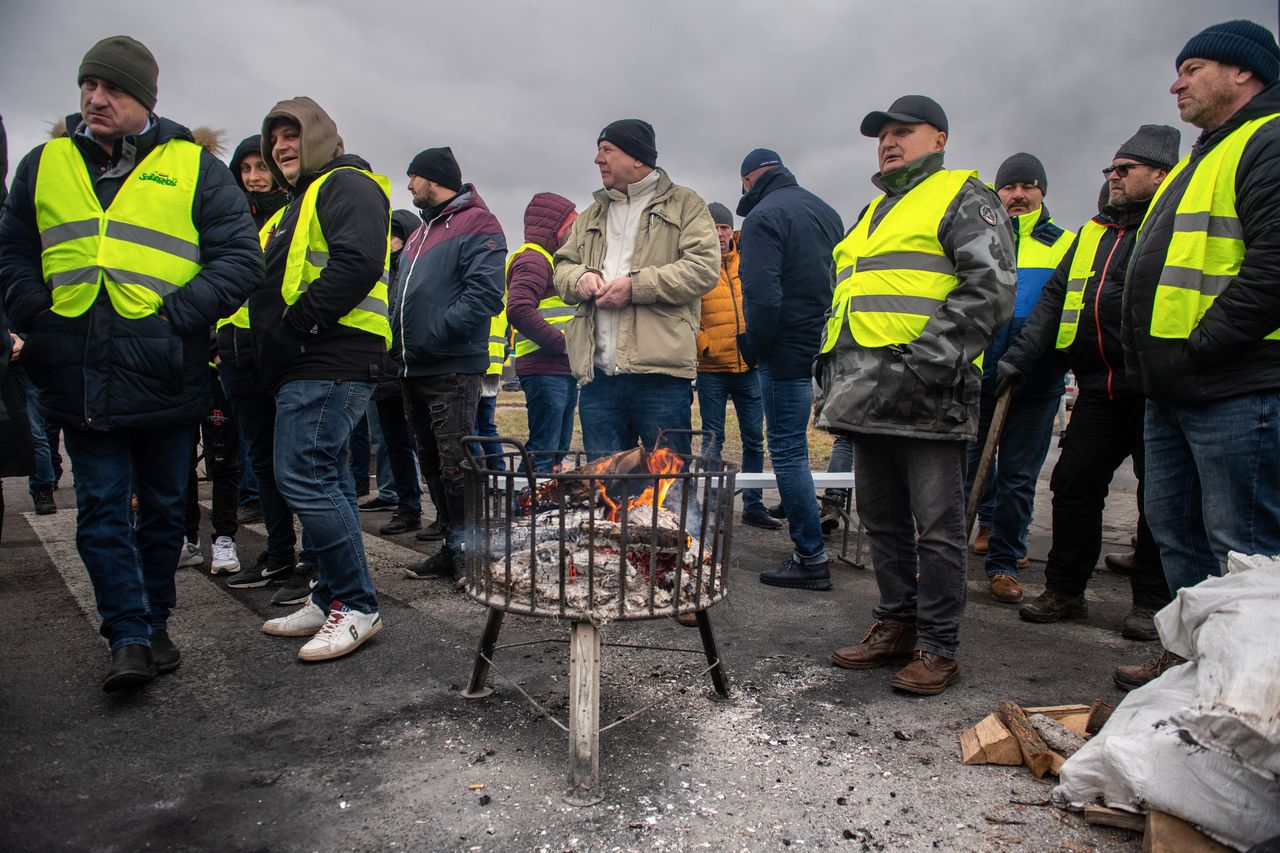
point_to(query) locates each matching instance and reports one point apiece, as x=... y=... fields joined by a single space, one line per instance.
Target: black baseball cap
x=909 y=109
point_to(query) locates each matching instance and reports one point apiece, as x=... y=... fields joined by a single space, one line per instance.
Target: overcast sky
x=520 y=90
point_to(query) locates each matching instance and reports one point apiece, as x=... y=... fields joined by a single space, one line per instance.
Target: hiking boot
x=401 y=522
x=164 y=653
x=1121 y=564
x=758 y=516
x=250 y=513
x=433 y=532
x=131 y=666
x=981 y=541
x=190 y=554
x=300 y=623
x=267 y=570
x=1140 y=624
x=829 y=513
x=42 y=499
x=927 y=675
x=297 y=589
x=884 y=642
x=1132 y=677
x=793 y=575
x=439 y=566
x=376 y=504
x=225 y=559
x=777 y=511
x=1006 y=588
x=343 y=633
x=1050 y=606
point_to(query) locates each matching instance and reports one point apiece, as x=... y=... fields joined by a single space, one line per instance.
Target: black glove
x=1008 y=377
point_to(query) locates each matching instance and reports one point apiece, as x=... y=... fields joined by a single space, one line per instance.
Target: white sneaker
x=190 y=554
x=342 y=634
x=300 y=623
x=225 y=559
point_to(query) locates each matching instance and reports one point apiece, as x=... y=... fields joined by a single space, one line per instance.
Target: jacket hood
x=403 y=223
x=319 y=146
x=774 y=179
x=543 y=219
x=467 y=197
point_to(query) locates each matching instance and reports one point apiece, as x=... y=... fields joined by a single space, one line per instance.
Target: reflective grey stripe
x=1076 y=284
x=843 y=274
x=158 y=286
x=919 y=305
x=385 y=278
x=373 y=305
x=83 y=275
x=918 y=261
x=1189 y=279
x=154 y=239
x=1070 y=316
x=550 y=314
x=68 y=231
x=497 y=339
x=317 y=259
x=1215 y=226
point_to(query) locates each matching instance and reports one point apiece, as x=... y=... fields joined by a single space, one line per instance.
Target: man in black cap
x=923 y=281
x=121 y=245
x=1078 y=315
x=787 y=279
x=637 y=262
x=1202 y=317
x=449 y=286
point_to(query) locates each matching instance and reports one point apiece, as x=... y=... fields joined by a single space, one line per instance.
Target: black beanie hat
x=1243 y=44
x=1022 y=168
x=438 y=166
x=125 y=63
x=633 y=136
x=1153 y=144
x=720 y=214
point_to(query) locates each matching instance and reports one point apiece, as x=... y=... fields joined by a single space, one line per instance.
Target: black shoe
x=777 y=511
x=42 y=498
x=377 y=504
x=1140 y=624
x=793 y=575
x=250 y=513
x=758 y=516
x=267 y=570
x=401 y=522
x=1049 y=606
x=164 y=653
x=433 y=532
x=297 y=589
x=442 y=565
x=131 y=666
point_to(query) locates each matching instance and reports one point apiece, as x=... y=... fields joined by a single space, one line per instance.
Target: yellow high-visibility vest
x=241 y=317
x=553 y=309
x=309 y=255
x=889 y=283
x=1207 y=245
x=143 y=247
x=498 y=343
x=1083 y=268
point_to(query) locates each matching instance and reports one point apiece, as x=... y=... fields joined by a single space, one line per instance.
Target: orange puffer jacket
x=722 y=319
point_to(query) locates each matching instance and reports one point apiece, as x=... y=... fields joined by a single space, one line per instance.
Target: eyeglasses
x=1122 y=170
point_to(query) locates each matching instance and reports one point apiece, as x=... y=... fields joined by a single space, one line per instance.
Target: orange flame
x=660 y=461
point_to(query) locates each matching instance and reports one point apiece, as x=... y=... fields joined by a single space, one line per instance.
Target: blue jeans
x=43 y=477
x=786 y=412
x=841 y=462
x=313 y=432
x=618 y=412
x=551 y=402
x=248 y=479
x=1212 y=483
x=359 y=448
x=1020 y=454
x=131 y=562
x=714 y=389
x=486 y=424
x=385 y=479
x=397 y=442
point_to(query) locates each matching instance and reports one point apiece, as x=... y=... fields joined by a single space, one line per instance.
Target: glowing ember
x=660 y=461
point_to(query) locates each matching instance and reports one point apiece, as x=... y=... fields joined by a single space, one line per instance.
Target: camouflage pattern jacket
x=929 y=388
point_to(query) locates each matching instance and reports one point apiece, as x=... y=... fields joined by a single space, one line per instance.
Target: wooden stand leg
x=584 y=715
x=476 y=688
x=718 y=678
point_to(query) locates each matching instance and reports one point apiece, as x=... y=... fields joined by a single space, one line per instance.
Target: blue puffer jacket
x=100 y=370
x=450 y=283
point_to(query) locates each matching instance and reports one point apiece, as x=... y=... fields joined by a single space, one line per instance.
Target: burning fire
x=660 y=461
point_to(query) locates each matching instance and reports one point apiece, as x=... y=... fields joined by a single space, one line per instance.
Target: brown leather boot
x=1132 y=677
x=982 y=540
x=1006 y=588
x=927 y=675
x=884 y=643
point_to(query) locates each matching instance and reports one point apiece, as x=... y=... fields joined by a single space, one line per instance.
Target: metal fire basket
x=631 y=536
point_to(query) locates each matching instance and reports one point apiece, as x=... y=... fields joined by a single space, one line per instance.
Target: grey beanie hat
x=1022 y=168
x=1153 y=144
x=720 y=214
x=125 y=63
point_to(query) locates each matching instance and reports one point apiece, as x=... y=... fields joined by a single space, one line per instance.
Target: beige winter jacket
x=676 y=261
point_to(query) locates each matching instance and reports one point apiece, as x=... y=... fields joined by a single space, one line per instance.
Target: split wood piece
x=1035 y=753
x=989 y=742
x=1103 y=816
x=643 y=535
x=1099 y=713
x=1168 y=834
x=1057 y=736
x=1074 y=717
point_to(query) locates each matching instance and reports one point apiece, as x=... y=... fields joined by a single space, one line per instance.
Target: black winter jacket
x=788 y=274
x=304 y=340
x=1096 y=356
x=100 y=370
x=1226 y=355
